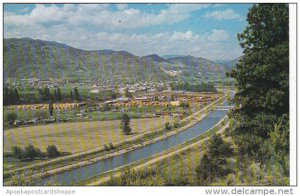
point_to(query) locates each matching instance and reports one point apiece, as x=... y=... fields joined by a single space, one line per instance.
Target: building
x=175 y=103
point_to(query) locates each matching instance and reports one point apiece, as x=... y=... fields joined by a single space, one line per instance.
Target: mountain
x=154 y=57
x=197 y=67
x=229 y=64
x=166 y=57
x=28 y=58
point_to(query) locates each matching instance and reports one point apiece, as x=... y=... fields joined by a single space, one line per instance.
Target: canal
x=85 y=172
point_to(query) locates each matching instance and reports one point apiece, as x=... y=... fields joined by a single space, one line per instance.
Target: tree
x=127 y=93
x=41 y=114
x=6 y=96
x=30 y=152
x=52 y=151
x=11 y=95
x=168 y=126
x=47 y=94
x=16 y=96
x=277 y=146
x=41 y=94
x=218 y=147
x=113 y=95
x=51 y=108
x=262 y=76
x=71 y=94
x=55 y=95
x=213 y=163
x=18 y=152
x=76 y=94
x=125 y=124
x=59 y=96
x=205 y=171
x=10 y=117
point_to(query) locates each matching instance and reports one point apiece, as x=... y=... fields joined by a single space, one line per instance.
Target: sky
x=201 y=30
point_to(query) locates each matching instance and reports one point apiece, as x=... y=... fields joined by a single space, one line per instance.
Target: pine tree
x=51 y=108
x=76 y=94
x=47 y=95
x=12 y=97
x=125 y=124
x=55 y=95
x=262 y=75
x=16 y=96
x=59 y=96
x=6 y=96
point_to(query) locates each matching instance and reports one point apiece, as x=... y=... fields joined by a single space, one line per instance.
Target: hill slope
x=28 y=58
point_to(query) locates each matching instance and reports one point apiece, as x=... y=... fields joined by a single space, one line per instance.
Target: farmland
x=80 y=136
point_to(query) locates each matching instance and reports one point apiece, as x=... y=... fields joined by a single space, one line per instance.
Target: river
x=85 y=172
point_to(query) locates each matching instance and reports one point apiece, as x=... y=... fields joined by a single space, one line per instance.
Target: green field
x=78 y=136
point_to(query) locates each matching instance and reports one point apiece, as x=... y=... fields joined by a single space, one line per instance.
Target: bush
x=30 y=152
x=213 y=163
x=168 y=126
x=111 y=146
x=218 y=147
x=125 y=124
x=106 y=147
x=18 y=152
x=41 y=114
x=10 y=117
x=205 y=171
x=176 y=125
x=52 y=151
x=227 y=132
x=184 y=105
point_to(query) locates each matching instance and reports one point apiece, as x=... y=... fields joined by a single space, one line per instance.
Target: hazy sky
x=201 y=30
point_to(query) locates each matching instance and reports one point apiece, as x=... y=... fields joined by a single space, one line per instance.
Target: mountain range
x=28 y=58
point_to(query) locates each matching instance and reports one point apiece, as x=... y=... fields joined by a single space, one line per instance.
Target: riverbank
x=90 y=160
x=159 y=158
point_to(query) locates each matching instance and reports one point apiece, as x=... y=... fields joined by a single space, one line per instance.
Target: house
x=123 y=100
x=95 y=91
x=17 y=122
x=175 y=103
x=80 y=115
x=144 y=98
x=157 y=114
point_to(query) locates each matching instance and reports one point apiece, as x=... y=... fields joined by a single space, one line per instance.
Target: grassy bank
x=77 y=160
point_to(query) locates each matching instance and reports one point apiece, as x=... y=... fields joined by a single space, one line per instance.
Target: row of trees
x=194 y=87
x=45 y=95
x=30 y=152
x=10 y=96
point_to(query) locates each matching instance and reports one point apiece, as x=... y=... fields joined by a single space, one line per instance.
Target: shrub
x=176 y=125
x=167 y=126
x=111 y=146
x=18 y=152
x=41 y=114
x=227 y=132
x=125 y=124
x=52 y=151
x=10 y=117
x=30 y=152
x=106 y=147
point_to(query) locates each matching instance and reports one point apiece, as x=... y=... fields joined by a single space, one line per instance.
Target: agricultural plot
x=79 y=136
